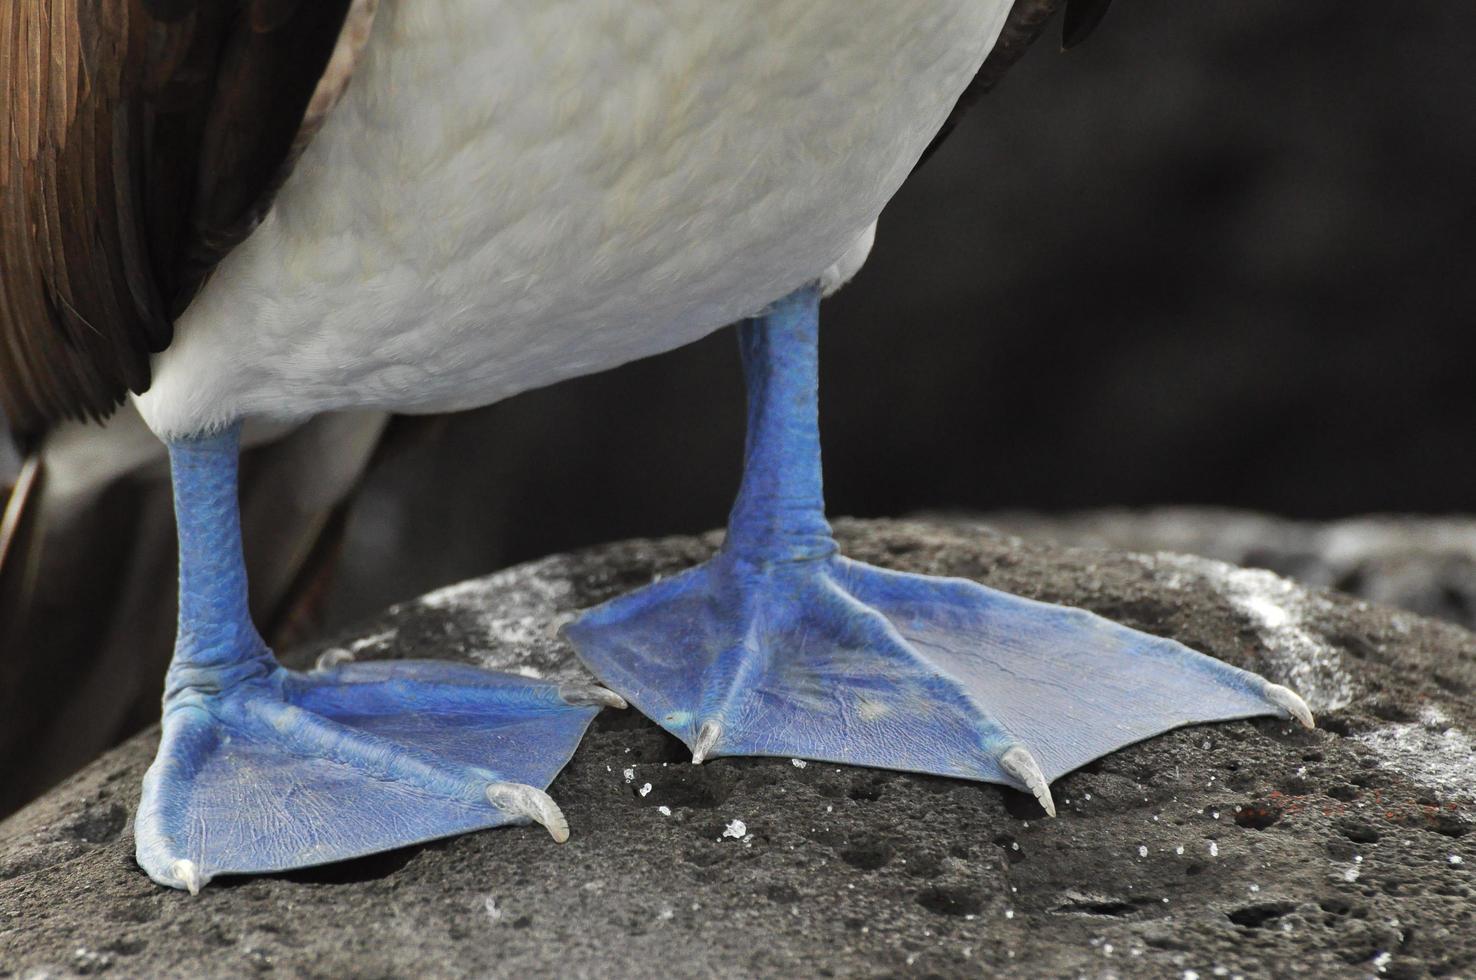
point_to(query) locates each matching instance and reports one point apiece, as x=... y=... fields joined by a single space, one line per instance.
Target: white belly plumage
x=513 y=192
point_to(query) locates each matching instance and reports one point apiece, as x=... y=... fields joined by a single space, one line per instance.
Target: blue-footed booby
x=271 y=209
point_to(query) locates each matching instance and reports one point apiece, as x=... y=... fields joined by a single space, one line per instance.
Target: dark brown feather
x=1082 y=17
x=140 y=141
x=1026 y=21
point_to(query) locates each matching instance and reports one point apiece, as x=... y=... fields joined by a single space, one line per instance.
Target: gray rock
x=1249 y=848
x=1424 y=564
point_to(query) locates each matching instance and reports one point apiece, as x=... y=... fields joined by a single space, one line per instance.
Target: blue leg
x=264 y=769
x=780 y=646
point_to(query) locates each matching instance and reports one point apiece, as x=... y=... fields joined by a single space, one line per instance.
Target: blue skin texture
x=780 y=646
x=264 y=769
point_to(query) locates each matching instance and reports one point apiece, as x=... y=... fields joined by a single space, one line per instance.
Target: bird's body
x=513 y=193
x=477 y=197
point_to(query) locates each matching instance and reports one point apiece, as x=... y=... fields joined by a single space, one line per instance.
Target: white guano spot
x=374 y=641
x=1280 y=611
x=541 y=581
x=1433 y=715
x=1441 y=760
x=512 y=617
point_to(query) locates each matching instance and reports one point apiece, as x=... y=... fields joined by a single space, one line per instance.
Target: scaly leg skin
x=779 y=646
x=264 y=769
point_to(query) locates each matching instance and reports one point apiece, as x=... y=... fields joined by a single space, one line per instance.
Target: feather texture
x=1082 y=17
x=1027 y=20
x=140 y=141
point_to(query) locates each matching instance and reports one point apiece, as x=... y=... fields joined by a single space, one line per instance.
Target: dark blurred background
x=1222 y=253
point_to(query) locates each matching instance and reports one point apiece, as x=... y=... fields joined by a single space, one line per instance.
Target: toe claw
x=522 y=800
x=187 y=874
x=707 y=737
x=593 y=694
x=1018 y=762
x=1290 y=702
x=331 y=658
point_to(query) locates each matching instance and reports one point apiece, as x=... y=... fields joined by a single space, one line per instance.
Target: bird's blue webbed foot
x=840 y=661
x=264 y=769
x=779 y=646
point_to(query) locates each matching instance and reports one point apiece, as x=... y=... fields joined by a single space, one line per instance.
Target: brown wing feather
x=1082 y=17
x=140 y=141
x=1027 y=19
x=1026 y=22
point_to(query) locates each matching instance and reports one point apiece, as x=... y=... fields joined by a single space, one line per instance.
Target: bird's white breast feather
x=516 y=192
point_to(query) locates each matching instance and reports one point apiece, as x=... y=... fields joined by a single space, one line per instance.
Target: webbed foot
x=839 y=661
x=291 y=770
x=779 y=646
x=266 y=769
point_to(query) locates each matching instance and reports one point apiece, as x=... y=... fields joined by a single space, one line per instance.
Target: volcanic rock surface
x=1249 y=848
x=1424 y=564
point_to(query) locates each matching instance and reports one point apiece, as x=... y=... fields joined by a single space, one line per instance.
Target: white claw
x=187 y=873
x=1018 y=762
x=329 y=659
x=707 y=737
x=522 y=800
x=576 y=693
x=1290 y=702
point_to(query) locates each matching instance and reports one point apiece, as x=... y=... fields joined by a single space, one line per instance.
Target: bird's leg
x=780 y=646
x=265 y=769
